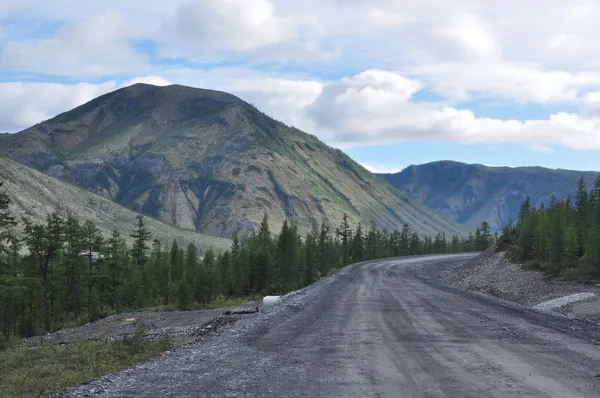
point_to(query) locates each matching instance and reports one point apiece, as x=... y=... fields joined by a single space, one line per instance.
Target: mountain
x=207 y=161
x=35 y=194
x=473 y=193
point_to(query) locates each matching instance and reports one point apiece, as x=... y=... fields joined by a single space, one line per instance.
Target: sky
x=390 y=82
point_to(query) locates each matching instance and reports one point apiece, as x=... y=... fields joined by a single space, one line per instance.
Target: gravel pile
x=180 y=325
x=494 y=274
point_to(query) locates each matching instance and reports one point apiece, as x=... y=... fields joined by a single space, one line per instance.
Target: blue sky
x=391 y=83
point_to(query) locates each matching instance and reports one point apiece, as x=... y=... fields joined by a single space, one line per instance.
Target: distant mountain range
x=208 y=162
x=473 y=193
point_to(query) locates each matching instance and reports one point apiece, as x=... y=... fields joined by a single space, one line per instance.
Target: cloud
x=242 y=25
x=153 y=80
x=25 y=104
x=375 y=108
x=288 y=58
x=472 y=34
x=381 y=168
x=98 y=46
x=523 y=83
x=4 y=5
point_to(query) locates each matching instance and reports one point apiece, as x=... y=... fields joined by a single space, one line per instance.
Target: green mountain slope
x=35 y=194
x=473 y=193
x=206 y=161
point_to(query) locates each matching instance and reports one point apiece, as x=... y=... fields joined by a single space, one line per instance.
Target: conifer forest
x=562 y=237
x=64 y=272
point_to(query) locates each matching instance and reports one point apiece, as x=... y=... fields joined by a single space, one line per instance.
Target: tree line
x=63 y=271
x=562 y=237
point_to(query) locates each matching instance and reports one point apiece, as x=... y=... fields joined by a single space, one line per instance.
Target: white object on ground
x=270 y=300
x=561 y=301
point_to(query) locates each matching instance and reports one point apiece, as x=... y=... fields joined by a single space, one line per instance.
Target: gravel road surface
x=386 y=328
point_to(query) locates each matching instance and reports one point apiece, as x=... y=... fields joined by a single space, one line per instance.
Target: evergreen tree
x=140 y=236
x=344 y=233
x=184 y=297
x=44 y=242
x=191 y=262
x=357 y=253
x=75 y=246
x=93 y=245
x=581 y=204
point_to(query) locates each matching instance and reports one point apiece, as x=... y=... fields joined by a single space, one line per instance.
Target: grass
x=218 y=303
x=221 y=302
x=40 y=371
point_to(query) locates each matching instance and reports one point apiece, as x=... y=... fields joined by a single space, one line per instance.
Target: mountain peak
x=204 y=160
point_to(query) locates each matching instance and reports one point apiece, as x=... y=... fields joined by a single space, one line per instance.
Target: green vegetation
x=63 y=272
x=40 y=371
x=562 y=238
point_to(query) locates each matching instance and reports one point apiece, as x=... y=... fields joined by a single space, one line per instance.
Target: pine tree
x=6 y=221
x=176 y=267
x=184 y=297
x=44 y=242
x=357 y=253
x=74 y=247
x=344 y=233
x=93 y=245
x=140 y=236
x=486 y=235
x=116 y=252
x=371 y=242
x=239 y=269
x=581 y=199
x=191 y=262
x=310 y=256
x=12 y=284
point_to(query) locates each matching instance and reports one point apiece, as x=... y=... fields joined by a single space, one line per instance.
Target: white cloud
x=374 y=108
x=281 y=98
x=229 y=25
x=533 y=52
x=470 y=32
x=381 y=168
x=525 y=83
x=97 y=46
x=25 y=104
x=4 y=5
x=153 y=80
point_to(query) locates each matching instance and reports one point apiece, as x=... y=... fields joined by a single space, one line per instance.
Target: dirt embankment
x=182 y=326
x=494 y=274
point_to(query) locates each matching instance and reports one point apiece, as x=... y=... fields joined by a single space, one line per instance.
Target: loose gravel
x=179 y=325
x=214 y=349
x=492 y=273
x=386 y=328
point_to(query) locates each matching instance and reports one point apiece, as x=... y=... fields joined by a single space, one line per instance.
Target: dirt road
x=385 y=328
